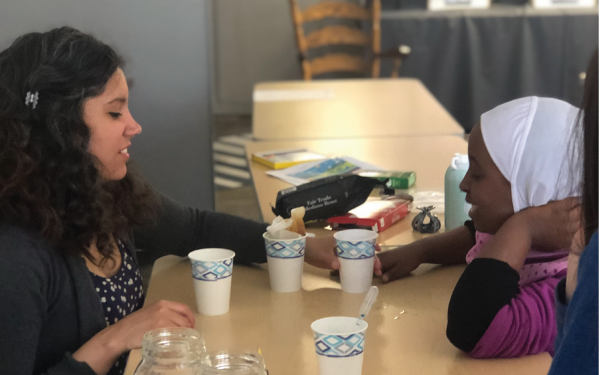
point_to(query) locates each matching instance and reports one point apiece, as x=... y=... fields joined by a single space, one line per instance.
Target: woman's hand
x=129 y=331
x=102 y=350
x=320 y=252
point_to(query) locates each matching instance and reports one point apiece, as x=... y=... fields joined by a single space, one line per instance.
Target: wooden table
x=406 y=333
x=329 y=109
x=407 y=324
x=429 y=157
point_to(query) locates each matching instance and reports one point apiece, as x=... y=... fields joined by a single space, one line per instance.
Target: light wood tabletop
x=429 y=157
x=406 y=333
x=355 y=108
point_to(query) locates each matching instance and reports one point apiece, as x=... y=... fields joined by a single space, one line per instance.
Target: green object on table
x=396 y=180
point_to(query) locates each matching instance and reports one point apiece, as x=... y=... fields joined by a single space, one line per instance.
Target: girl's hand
x=399 y=262
x=129 y=331
x=320 y=252
x=552 y=226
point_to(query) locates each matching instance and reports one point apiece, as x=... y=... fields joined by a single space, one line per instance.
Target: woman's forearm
x=100 y=352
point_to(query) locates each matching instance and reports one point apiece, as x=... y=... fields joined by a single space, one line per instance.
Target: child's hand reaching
x=320 y=252
x=399 y=262
x=448 y=248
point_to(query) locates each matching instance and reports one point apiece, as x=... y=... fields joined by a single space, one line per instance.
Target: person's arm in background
x=445 y=248
x=489 y=315
x=180 y=230
x=577 y=317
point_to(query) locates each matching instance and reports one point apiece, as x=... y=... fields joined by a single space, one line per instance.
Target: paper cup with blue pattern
x=212 y=272
x=339 y=343
x=285 y=258
x=356 y=252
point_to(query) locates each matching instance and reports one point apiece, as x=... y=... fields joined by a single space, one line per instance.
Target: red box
x=376 y=214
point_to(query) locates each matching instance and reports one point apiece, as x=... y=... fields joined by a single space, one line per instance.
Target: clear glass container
x=227 y=362
x=171 y=351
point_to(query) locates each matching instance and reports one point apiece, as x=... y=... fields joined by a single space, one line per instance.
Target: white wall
x=252 y=41
x=165 y=46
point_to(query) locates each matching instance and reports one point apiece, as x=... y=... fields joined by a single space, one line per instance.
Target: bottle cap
x=460 y=161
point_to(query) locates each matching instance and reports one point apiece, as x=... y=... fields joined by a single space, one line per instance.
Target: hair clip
x=31 y=99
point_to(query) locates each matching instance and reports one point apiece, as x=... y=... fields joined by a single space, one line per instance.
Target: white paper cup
x=356 y=252
x=339 y=343
x=286 y=263
x=212 y=271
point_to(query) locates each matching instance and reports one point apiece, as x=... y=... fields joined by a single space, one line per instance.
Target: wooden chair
x=368 y=64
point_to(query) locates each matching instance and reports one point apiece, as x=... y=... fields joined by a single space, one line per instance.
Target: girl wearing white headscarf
x=503 y=305
x=517 y=182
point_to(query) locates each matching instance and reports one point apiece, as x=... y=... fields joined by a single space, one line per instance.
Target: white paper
x=457 y=4
x=290 y=175
x=542 y=4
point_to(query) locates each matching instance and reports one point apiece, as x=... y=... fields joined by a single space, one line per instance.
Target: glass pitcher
x=226 y=362
x=171 y=351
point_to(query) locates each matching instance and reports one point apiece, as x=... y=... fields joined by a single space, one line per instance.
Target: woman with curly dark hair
x=70 y=208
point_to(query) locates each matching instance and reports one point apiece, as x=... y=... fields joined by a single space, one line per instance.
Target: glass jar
x=171 y=351
x=227 y=362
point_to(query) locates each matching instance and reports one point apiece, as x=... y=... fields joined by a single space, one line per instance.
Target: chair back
x=367 y=64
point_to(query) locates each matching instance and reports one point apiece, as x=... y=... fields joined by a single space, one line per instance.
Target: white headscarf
x=529 y=140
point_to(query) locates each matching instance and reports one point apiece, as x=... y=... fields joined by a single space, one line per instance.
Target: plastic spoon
x=368 y=302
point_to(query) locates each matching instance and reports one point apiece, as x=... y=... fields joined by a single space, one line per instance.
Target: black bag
x=327 y=197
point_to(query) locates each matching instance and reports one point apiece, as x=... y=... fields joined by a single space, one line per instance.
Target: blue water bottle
x=456 y=209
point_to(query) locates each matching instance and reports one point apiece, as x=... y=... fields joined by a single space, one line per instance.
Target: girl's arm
x=489 y=316
x=549 y=227
x=445 y=248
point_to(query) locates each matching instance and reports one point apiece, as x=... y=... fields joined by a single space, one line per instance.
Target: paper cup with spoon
x=340 y=341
